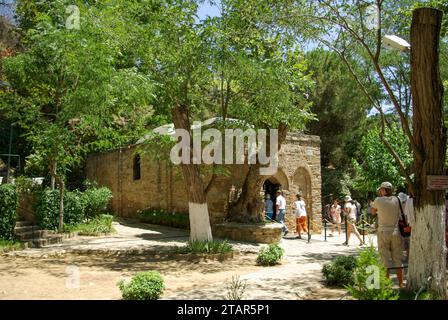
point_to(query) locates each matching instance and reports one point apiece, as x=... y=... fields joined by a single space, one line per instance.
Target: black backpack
x=403 y=225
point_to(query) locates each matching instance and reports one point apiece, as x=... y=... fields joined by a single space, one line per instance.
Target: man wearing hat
x=390 y=242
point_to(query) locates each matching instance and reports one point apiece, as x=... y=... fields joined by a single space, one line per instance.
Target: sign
x=437 y=183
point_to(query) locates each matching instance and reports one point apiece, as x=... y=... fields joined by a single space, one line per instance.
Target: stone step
x=25 y=229
x=43 y=242
x=23 y=224
x=32 y=234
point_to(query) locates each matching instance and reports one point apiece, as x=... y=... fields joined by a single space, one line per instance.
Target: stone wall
x=161 y=184
x=258 y=233
x=300 y=162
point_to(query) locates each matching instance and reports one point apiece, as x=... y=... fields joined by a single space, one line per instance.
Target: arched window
x=137 y=173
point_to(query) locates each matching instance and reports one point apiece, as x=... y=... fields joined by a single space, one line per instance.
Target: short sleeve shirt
x=388 y=211
x=281 y=202
x=300 y=207
x=351 y=208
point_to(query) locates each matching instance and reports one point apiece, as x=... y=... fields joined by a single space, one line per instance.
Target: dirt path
x=49 y=273
x=45 y=278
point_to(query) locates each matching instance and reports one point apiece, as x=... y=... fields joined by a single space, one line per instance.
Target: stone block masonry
x=160 y=184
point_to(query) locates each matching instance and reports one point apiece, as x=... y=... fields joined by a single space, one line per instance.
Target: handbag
x=403 y=225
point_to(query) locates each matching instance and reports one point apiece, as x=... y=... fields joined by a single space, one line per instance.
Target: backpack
x=403 y=225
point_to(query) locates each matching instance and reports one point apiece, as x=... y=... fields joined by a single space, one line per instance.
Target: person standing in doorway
x=281 y=211
x=300 y=211
x=350 y=211
x=335 y=214
x=269 y=207
x=390 y=242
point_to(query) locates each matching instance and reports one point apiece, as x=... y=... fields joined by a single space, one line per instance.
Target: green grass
x=99 y=225
x=8 y=245
x=405 y=294
x=207 y=247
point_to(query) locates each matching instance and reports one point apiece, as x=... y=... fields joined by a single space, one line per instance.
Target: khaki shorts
x=390 y=247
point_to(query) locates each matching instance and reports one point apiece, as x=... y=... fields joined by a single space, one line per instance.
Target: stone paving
x=299 y=275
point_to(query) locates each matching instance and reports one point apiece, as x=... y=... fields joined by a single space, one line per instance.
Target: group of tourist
x=388 y=210
x=299 y=208
x=352 y=211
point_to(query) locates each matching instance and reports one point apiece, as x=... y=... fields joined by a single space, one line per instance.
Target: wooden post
x=427 y=264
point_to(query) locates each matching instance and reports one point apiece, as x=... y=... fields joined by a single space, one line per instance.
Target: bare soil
x=47 y=278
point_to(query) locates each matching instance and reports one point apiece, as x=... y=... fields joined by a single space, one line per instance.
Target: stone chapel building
x=139 y=182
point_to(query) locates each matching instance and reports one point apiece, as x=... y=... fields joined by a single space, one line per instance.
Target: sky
x=208 y=10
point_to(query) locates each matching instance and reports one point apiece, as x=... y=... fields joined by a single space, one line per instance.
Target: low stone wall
x=258 y=233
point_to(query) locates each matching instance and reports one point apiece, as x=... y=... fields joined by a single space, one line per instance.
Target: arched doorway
x=301 y=183
x=272 y=184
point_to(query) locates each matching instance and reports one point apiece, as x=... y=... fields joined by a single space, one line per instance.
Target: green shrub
x=159 y=217
x=47 y=209
x=405 y=294
x=210 y=247
x=362 y=287
x=96 y=201
x=101 y=224
x=270 y=255
x=143 y=286
x=9 y=202
x=339 y=272
x=74 y=208
x=10 y=245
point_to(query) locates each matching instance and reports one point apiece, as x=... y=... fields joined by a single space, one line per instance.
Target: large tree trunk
x=248 y=207
x=427 y=262
x=200 y=229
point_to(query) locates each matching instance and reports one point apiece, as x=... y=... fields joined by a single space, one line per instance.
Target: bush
x=74 y=208
x=159 y=217
x=210 y=247
x=47 y=209
x=9 y=202
x=101 y=224
x=96 y=201
x=270 y=255
x=405 y=294
x=339 y=272
x=10 y=245
x=143 y=286
x=367 y=265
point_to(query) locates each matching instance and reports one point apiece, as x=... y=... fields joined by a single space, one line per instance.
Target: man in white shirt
x=281 y=210
x=301 y=218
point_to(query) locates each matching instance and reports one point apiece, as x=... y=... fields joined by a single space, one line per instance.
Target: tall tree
x=343 y=27
x=264 y=79
x=68 y=88
x=427 y=258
